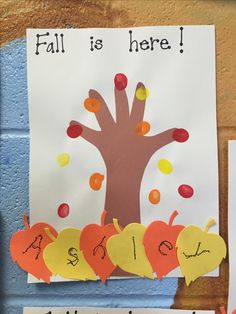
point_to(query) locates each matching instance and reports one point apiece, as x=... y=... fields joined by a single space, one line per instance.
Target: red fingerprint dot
x=185 y=190
x=74 y=130
x=63 y=210
x=120 y=81
x=180 y=135
x=234 y=311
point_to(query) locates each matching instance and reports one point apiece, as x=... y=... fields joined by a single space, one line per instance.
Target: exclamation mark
x=181 y=39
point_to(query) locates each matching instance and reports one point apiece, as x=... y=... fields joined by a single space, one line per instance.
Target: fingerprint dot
x=74 y=130
x=63 y=210
x=165 y=166
x=120 y=81
x=185 y=190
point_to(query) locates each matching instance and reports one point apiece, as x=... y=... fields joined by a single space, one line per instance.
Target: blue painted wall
x=15 y=293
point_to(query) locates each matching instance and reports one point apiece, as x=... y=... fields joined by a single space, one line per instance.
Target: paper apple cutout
x=159 y=242
x=63 y=256
x=93 y=241
x=199 y=252
x=26 y=248
x=126 y=250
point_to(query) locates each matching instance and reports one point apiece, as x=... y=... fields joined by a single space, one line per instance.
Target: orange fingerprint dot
x=92 y=104
x=95 y=181
x=154 y=196
x=142 y=128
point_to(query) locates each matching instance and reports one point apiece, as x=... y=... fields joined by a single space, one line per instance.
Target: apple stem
x=222 y=309
x=172 y=217
x=210 y=223
x=26 y=221
x=116 y=225
x=103 y=217
x=49 y=234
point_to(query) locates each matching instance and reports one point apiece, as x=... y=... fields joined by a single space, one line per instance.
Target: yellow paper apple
x=126 y=250
x=63 y=256
x=199 y=252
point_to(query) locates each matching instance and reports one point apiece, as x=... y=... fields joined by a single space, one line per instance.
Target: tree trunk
x=126 y=161
x=123 y=193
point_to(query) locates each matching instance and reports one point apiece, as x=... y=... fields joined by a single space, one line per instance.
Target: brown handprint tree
x=125 y=152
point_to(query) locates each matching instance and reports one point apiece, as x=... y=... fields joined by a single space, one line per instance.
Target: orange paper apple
x=93 y=241
x=26 y=247
x=159 y=242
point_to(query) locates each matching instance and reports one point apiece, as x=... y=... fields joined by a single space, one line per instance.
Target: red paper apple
x=93 y=244
x=26 y=247
x=159 y=242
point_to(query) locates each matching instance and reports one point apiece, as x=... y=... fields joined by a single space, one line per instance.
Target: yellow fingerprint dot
x=165 y=166
x=142 y=93
x=63 y=159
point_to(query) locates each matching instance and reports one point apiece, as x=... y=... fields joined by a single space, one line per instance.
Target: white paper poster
x=73 y=310
x=122 y=127
x=231 y=227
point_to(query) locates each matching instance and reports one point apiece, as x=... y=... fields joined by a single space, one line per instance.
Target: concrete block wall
x=14 y=151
